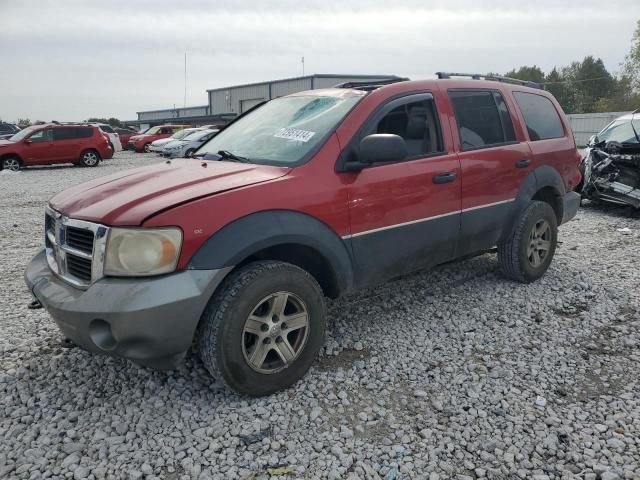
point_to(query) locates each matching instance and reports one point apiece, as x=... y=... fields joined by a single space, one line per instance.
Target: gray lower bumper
x=148 y=320
x=571 y=205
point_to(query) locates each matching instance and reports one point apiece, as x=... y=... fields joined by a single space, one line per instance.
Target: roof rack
x=495 y=78
x=369 y=85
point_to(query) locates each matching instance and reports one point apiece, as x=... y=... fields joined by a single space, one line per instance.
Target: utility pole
x=303 y=66
x=185 y=79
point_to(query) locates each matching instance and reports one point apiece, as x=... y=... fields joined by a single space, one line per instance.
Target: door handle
x=523 y=163
x=445 y=177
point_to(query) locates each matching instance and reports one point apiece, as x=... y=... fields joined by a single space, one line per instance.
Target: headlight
x=142 y=251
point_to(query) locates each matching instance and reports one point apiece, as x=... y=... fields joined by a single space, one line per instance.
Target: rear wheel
x=263 y=327
x=527 y=253
x=11 y=163
x=89 y=158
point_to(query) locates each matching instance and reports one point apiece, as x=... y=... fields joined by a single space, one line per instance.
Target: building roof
x=315 y=75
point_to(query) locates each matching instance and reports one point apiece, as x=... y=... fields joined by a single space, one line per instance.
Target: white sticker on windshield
x=294 y=134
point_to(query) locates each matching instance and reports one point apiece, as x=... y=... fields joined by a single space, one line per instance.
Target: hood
x=162 y=141
x=130 y=197
x=6 y=143
x=173 y=143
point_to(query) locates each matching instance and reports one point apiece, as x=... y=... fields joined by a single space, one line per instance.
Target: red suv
x=308 y=196
x=55 y=143
x=142 y=141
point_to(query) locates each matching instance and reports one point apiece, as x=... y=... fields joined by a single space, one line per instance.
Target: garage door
x=250 y=103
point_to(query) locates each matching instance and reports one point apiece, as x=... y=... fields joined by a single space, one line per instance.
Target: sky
x=69 y=60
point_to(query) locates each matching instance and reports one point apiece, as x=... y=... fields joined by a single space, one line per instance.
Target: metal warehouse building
x=226 y=103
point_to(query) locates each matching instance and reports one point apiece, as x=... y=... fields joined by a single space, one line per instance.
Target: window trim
x=377 y=114
x=565 y=130
x=491 y=91
x=44 y=130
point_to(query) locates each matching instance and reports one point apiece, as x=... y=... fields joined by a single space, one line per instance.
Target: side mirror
x=382 y=148
x=28 y=141
x=593 y=139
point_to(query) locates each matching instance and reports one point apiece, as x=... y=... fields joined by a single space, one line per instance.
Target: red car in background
x=47 y=144
x=141 y=142
x=125 y=135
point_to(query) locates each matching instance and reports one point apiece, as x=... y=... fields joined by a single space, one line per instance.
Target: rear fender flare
x=541 y=177
x=242 y=238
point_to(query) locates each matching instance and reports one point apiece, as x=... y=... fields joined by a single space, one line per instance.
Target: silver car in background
x=158 y=145
x=189 y=144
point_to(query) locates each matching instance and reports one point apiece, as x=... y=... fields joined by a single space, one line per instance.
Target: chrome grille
x=74 y=248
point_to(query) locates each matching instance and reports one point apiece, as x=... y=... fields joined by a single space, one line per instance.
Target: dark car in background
x=125 y=135
x=52 y=143
x=8 y=130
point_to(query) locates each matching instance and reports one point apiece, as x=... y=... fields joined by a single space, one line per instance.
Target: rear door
x=405 y=215
x=65 y=143
x=39 y=147
x=494 y=159
x=550 y=140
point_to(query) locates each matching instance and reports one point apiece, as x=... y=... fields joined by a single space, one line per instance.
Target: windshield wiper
x=227 y=155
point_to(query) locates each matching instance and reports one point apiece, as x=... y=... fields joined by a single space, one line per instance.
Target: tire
x=257 y=289
x=516 y=254
x=113 y=149
x=146 y=147
x=11 y=163
x=89 y=158
x=189 y=153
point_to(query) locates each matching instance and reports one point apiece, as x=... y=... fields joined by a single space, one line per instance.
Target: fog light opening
x=101 y=336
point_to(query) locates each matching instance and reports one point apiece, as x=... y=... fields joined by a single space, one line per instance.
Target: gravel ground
x=454 y=373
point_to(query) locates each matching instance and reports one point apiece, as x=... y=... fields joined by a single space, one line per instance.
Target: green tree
x=530 y=74
x=590 y=82
x=631 y=67
x=114 y=122
x=556 y=83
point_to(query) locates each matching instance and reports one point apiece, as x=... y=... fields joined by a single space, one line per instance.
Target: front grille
x=79 y=238
x=74 y=248
x=79 y=267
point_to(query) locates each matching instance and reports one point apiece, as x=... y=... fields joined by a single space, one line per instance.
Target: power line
x=577 y=81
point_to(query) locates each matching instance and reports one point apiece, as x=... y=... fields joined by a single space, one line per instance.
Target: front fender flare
x=246 y=236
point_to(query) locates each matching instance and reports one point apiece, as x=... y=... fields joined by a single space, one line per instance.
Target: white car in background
x=114 y=138
x=189 y=144
x=157 y=145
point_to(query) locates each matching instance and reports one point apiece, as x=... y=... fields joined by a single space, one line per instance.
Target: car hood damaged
x=128 y=198
x=611 y=172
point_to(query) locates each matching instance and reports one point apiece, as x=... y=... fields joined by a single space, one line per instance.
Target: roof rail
x=495 y=78
x=369 y=85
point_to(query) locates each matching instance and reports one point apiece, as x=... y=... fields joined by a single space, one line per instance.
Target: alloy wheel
x=275 y=332
x=12 y=164
x=539 y=243
x=90 y=159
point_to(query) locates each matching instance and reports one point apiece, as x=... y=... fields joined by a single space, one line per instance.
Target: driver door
x=39 y=147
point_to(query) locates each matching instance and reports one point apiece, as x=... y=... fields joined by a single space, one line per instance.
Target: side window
x=540 y=116
x=417 y=123
x=82 y=132
x=482 y=117
x=62 y=133
x=106 y=128
x=42 y=136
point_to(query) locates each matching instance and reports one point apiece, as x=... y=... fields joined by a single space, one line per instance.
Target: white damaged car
x=157 y=145
x=189 y=144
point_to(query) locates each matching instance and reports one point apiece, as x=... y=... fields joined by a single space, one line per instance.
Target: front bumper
x=148 y=320
x=571 y=203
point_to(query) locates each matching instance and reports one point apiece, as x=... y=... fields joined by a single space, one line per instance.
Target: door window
x=482 y=117
x=416 y=122
x=42 y=136
x=541 y=117
x=71 y=133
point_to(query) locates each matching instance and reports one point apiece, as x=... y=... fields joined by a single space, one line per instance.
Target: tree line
x=587 y=86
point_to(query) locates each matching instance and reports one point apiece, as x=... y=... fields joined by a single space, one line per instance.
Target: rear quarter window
x=540 y=116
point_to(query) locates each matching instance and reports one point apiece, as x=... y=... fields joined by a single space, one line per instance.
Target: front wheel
x=263 y=328
x=11 y=163
x=526 y=254
x=89 y=158
x=147 y=147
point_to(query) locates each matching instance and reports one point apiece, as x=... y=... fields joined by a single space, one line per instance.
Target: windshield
x=620 y=131
x=182 y=133
x=152 y=131
x=198 y=135
x=283 y=130
x=22 y=134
